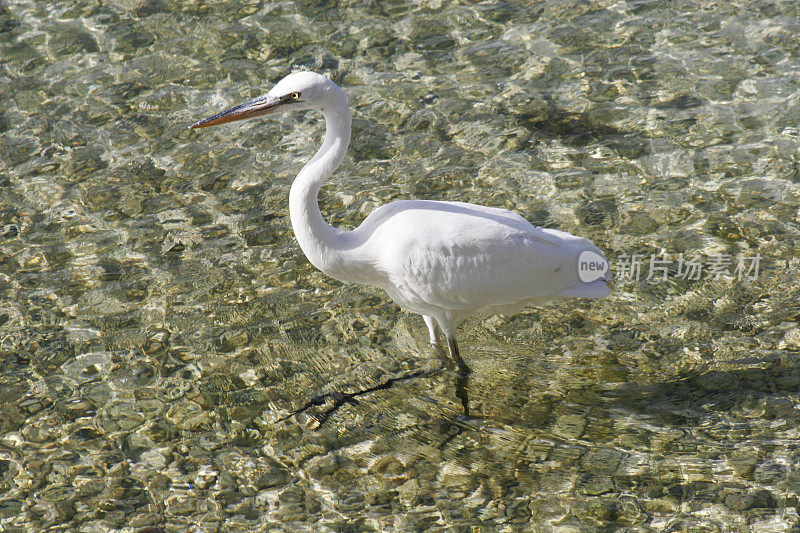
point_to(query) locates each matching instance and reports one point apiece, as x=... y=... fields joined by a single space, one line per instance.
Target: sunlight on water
x=158 y=319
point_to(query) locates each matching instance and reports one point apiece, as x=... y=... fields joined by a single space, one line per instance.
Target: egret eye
x=294 y=96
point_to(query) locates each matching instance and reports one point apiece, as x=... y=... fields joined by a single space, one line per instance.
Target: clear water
x=157 y=317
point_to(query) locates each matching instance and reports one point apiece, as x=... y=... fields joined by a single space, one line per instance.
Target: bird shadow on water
x=525 y=395
x=338 y=399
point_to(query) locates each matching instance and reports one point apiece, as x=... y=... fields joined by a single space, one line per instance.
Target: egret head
x=299 y=90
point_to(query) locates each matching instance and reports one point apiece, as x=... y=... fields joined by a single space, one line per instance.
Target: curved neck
x=322 y=243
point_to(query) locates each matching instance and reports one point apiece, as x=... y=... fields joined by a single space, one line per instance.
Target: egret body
x=443 y=260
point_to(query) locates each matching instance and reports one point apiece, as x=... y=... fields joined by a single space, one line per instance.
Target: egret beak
x=263 y=105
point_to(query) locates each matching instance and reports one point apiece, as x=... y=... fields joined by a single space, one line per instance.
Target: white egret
x=443 y=260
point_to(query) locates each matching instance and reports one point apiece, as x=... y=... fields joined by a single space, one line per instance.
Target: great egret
x=443 y=260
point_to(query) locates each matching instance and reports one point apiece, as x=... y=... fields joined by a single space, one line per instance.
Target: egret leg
x=454 y=353
x=462 y=391
x=432 y=331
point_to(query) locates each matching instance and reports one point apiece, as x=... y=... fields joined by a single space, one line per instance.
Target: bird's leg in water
x=462 y=378
x=447 y=362
x=462 y=366
x=462 y=390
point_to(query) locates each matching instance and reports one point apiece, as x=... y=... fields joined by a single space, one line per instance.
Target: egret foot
x=447 y=362
x=454 y=353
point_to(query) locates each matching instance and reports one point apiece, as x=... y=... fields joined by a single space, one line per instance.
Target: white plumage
x=443 y=260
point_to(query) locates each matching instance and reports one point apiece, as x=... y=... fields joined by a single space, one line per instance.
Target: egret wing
x=463 y=257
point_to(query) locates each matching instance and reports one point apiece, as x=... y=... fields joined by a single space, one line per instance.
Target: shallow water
x=157 y=317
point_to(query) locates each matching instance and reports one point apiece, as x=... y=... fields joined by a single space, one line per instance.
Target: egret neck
x=323 y=244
